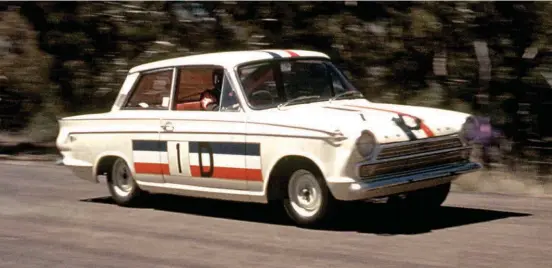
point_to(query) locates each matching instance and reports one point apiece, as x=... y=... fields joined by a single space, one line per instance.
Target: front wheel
x=121 y=184
x=309 y=201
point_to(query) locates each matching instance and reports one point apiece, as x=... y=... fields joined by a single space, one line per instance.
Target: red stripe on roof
x=291 y=53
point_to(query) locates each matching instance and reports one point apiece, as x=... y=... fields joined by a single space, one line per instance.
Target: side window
x=204 y=88
x=228 y=99
x=152 y=91
x=304 y=77
x=259 y=84
x=337 y=83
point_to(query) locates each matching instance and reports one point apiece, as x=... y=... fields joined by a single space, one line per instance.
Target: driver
x=210 y=98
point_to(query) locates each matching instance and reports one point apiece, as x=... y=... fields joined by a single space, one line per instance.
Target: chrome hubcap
x=122 y=178
x=305 y=193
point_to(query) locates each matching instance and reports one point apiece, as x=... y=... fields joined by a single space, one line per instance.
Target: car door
x=139 y=122
x=204 y=148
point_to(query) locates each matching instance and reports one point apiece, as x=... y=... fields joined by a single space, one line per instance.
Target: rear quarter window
x=152 y=91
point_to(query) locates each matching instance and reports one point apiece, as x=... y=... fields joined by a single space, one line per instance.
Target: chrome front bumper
x=386 y=185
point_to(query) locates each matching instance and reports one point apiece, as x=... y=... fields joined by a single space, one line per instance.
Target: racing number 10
x=207 y=147
x=201 y=147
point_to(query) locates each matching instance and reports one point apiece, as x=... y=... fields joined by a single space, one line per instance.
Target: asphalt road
x=49 y=218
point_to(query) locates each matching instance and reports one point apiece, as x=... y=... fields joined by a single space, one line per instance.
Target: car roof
x=228 y=59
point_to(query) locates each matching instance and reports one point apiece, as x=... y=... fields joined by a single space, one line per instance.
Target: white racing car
x=261 y=126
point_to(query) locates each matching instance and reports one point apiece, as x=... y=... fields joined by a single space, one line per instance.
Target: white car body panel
x=229 y=60
x=323 y=132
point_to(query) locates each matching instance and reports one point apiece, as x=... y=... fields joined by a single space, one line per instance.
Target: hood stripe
x=423 y=126
x=341 y=108
x=426 y=129
x=408 y=132
x=403 y=127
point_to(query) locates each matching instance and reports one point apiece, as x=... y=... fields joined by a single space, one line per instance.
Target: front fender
x=294 y=153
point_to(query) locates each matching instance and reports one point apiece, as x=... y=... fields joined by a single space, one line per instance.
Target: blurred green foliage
x=73 y=56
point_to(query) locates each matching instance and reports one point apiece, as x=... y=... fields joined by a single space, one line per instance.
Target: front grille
x=414 y=163
x=419 y=147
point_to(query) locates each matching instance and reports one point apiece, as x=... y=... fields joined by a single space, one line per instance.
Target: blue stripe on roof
x=274 y=55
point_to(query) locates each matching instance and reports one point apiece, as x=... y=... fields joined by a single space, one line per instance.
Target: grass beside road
x=16 y=147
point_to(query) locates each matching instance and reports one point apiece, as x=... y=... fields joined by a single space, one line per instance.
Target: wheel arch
x=105 y=161
x=281 y=171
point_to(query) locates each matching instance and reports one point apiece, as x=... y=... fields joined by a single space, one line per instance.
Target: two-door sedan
x=264 y=126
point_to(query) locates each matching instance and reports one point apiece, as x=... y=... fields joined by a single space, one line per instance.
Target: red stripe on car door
x=151 y=168
x=230 y=173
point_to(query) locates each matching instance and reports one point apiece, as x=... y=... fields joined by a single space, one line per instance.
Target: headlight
x=365 y=144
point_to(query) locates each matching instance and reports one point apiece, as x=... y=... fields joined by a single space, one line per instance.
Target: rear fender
x=115 y=154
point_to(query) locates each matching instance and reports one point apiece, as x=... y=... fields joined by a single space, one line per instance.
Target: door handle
x=168 y=126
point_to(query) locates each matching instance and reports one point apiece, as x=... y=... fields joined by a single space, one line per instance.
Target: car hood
x=351 y=117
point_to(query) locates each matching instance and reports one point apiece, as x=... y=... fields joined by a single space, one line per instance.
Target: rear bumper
x=83 y=170
x=398 y=183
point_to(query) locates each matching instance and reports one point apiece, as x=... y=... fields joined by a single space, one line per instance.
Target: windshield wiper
x=302 y=98
x=350 y=93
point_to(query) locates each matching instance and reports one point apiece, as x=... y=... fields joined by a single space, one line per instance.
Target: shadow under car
x=359 y=217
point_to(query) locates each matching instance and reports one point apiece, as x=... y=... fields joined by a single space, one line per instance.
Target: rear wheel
x=121 y=184
x=308 y=201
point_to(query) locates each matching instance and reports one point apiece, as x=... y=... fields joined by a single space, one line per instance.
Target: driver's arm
x=209 y=101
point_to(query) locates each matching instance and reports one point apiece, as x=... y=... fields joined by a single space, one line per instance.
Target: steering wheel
x=260 y=92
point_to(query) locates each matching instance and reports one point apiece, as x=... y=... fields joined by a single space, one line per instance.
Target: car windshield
x=278 y=83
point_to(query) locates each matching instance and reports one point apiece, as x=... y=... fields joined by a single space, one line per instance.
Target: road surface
x=49 y=218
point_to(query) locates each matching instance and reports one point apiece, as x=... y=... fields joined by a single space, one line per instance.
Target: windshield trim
x=277 y=60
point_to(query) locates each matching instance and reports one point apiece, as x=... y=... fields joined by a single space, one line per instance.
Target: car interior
x=192 y=82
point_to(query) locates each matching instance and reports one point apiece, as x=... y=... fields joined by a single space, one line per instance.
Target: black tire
x=314 y=186
x=127 y=194
x=424 y=200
